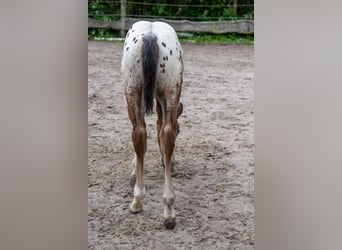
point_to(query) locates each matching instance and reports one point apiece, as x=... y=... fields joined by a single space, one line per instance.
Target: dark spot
x=167 y=58
x=135 y=41
x=125 y=43
x=134 y=38
x=177 y=48
x=133 y=30
x=164 y=58
x=142 y=34
x=163 y=70
x=127 y=48
x=170 y=52
x=138 y=61
x=127 y=35
x=130 y=76
x=162 y=65
x=163 y=44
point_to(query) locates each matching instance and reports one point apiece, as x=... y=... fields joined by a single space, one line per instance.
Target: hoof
x=132 y=180
x=170 y=223
x=174 y=170
x=180 y=109
x=134 y=209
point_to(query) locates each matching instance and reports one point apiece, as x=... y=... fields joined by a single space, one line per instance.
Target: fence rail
x=216 y=27
x=244 y=26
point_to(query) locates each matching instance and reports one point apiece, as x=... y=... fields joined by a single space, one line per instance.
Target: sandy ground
x=215 y=184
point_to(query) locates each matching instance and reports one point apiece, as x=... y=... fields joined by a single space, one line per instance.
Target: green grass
x=198 y=38
x=219 y=39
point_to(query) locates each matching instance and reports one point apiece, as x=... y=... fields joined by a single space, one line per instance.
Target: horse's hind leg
x=174 y=169
x=159 y=126
x=133 y=177
x=168 y=134
x=139 y=138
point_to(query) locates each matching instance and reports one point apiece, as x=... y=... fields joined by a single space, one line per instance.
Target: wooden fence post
x=123 y=17
x=235 y=4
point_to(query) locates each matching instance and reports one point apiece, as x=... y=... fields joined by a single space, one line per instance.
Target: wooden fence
x=216 y=27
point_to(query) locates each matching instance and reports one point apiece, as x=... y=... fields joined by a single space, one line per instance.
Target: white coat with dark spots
x=152 y=68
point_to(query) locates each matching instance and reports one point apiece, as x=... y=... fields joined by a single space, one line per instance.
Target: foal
x=152 y=67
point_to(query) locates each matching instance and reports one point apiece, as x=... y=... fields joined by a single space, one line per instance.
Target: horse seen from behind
x=152 y=68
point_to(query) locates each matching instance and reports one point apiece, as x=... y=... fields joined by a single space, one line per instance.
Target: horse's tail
x=150 y=55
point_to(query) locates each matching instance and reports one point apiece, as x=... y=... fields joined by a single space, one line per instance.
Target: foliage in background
x=104 y=10
x=202 y=10
x=208 y=38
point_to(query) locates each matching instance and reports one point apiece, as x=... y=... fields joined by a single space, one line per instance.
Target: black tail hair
x=150 y=54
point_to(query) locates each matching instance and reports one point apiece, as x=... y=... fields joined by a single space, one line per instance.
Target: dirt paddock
x=214 y=153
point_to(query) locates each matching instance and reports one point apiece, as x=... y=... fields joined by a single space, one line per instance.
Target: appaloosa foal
x=152 y=67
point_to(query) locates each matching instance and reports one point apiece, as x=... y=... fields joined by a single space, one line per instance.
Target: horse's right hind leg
x=167 y=137
x=174 y=169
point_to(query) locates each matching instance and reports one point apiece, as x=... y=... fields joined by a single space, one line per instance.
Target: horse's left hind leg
x=139 y=138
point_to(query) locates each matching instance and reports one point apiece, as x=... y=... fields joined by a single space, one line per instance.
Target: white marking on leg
x=168 y=194
x=134 y=164
x=139 y=195
x=133 y=176
x=169 y=199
